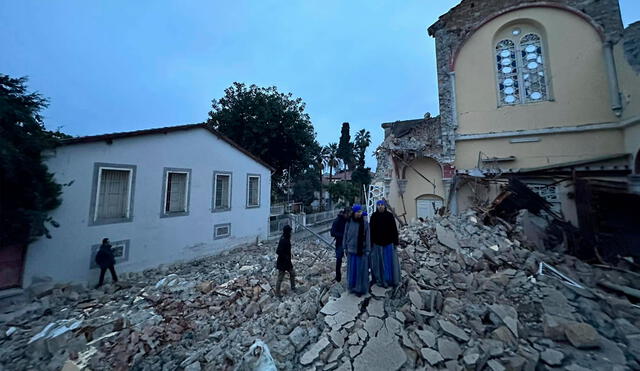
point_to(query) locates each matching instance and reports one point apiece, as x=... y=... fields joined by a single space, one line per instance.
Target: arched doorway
x=427 y=205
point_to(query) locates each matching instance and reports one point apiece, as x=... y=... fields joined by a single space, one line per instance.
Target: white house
x=160 y=195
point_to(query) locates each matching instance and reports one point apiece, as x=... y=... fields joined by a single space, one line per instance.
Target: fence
x=277 y=210
x=316 y=218
x=296 y=221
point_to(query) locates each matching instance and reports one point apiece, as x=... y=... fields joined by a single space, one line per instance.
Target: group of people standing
x=369 y=247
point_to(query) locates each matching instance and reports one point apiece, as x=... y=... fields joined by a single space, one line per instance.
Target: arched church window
x=507 y=66
x=520 y=69
x=535 y=86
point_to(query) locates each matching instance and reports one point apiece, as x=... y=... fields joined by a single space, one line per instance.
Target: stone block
x=582 y=335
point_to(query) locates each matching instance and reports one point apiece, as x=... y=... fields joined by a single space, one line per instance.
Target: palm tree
x=362 y=141
x=331 y=157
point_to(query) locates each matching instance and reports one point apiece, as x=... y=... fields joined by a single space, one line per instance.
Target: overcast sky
x=115 y=66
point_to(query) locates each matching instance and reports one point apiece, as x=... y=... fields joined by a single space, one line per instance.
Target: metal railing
x=299 y=221
x=324 y=216
x=277 y=210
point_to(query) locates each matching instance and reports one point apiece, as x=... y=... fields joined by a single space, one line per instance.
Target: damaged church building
x=538 y=93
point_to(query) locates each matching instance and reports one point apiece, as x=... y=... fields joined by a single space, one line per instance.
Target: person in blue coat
x=357 y=243
x=337 y=231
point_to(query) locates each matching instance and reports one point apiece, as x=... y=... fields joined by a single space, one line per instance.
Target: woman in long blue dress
x=357 y=243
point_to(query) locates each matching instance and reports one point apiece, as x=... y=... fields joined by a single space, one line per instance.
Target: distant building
x=160 y=195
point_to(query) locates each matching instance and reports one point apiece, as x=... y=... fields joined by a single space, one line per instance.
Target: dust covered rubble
x=470 y=298
x=204 y=313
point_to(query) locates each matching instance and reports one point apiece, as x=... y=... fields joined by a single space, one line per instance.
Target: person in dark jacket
x=357 y=243
x=105 y=260
x=385 y=268
x=337 y=231
x=283 y=263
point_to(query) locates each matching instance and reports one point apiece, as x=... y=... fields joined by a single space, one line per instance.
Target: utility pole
x=289 y=188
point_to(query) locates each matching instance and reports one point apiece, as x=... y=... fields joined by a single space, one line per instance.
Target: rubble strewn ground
x=471 y=298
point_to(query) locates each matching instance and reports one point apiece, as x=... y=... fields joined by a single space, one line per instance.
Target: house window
x=112 y=198
x=221 y=191
x=520 y=69
x=176 y=192
x=253 y=190
x=221 y=230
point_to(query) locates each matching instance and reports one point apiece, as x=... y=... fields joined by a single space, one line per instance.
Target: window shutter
x=222 y=192
x=254 y=191
x=177 y=192
x=114 y=187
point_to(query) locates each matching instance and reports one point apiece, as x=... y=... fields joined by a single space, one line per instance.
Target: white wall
x=153 y=240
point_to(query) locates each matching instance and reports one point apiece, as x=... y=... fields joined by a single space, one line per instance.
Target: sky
x=119 y=65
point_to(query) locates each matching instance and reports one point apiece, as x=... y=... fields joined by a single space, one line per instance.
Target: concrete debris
x=471 y=298
x=427 y=337
x=381 y=353
x=552 y=357
x=448 y=349
x=453 y=330
x=299 y=337
x=431 y=356
x=582 y=335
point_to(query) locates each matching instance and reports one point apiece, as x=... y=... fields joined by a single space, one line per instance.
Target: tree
x=331 y=157
x=345 y=148
x=343 y=193
x=362 y=142
x=305 y=185
x=361 y=176
x=270 y=125
x=28 y=191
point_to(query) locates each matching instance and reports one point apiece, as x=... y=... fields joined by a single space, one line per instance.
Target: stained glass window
x=507 y=69
x=520 y=70
x=535 y=86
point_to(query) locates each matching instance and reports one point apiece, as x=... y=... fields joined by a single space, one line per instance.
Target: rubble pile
x=472 y=297
x=478 y=290
x=202 y=314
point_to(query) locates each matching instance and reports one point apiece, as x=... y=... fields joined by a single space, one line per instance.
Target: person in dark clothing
x=385 y=267
x=105 y=260
x=337 y=231
x=357 y=243
x=283 y=263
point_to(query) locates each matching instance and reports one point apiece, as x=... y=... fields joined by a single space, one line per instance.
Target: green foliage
x=360 y=176
x=330 y=153
x=269 y=124
x=345 y=147
x=362 y=142
x=28 y=191
x=304 y=186
x=343 y=192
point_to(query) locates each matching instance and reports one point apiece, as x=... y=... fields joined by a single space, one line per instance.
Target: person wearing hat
x=357 y=243
x=337 y=231
x=385 y=268
x=283 y=263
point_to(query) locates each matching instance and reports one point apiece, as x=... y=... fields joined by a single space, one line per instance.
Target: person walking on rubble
x=105 y=260
x=283 y=263
x=337 y=231
x=357 y=243
x=385 y=268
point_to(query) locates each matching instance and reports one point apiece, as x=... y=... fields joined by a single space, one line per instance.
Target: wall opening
x=427 y=205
